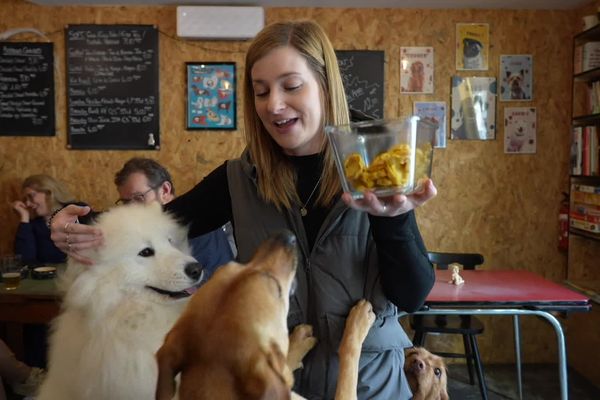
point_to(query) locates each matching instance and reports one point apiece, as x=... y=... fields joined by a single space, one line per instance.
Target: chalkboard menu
x=26 y=89
x=112 y=86
x=362 y=74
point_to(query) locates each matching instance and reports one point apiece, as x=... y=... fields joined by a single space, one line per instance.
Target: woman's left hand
x=391 y=206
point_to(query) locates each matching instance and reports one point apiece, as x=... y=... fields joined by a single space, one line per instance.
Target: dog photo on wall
x=516 y=77
x=416 y=72
x=472 y=46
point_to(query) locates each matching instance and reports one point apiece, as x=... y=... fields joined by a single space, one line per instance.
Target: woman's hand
x=21 y=210
x=392 y=206
x=71 y=237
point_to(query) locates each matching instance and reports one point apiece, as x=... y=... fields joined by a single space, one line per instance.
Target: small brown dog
x=232 y=340
x=426 y=374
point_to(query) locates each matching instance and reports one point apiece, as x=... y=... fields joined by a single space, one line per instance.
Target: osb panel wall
x=503 y=206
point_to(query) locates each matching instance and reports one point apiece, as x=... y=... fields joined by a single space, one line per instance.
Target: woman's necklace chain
x=303 y=210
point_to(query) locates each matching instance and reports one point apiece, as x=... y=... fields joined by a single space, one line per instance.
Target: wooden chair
x=466 y=325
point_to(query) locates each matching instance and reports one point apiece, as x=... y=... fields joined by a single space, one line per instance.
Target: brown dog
x=426 y=374
x=417 y=77
x=232 y=340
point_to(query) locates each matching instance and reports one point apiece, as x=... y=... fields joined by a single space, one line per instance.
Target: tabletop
x=502 y=287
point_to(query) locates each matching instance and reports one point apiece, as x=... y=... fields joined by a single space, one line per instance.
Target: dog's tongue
x=191 y=290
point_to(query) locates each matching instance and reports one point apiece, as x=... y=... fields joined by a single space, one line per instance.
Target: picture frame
x=416 y=70
x=472 y=46
x=211 y=96
x=435 y=110
x=520 y=130
x=516 y=77
x=473 y=108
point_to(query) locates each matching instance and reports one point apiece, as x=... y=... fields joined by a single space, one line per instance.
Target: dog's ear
x=269 y=377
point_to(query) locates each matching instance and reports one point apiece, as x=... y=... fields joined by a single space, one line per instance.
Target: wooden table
x=33 y=302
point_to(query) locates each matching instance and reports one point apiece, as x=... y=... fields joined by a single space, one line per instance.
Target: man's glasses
x=136 y=198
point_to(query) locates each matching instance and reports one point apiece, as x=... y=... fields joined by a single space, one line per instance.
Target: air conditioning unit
x=219 y=22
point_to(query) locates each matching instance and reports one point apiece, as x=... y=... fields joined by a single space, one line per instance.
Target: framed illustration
x=516 y=77
x=519 y=130
x=472 y=46
x=211 y=95
x=416 y=70
x=473 y=108
x=435 y=110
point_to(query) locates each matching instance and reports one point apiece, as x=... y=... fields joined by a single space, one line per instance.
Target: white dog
x=116 y=313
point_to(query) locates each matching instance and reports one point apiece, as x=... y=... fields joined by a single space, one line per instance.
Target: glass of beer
x=10 y=267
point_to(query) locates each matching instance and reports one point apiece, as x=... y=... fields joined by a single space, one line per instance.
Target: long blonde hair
x=56 y=192
x=311 y=41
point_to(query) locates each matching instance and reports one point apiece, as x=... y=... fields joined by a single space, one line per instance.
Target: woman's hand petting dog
x=427 y=374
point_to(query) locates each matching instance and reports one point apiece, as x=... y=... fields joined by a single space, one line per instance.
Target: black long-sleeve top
x=407 y=276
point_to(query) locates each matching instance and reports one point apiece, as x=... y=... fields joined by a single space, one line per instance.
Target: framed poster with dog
x=516 y=77
x=435 y=110
x=472 y=46
x=473 y=108
x=519 y=130
x=211 y=95
x=416 y=70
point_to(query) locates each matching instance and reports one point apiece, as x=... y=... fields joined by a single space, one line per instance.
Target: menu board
x=362 y=75
x=112 y=86
x=26 y=89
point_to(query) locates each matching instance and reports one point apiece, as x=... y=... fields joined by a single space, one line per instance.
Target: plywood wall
x=503 y=206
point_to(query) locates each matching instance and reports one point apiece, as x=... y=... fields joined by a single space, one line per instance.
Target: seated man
x=144 y=180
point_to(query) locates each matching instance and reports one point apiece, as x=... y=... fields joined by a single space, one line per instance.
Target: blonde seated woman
x=41 y=196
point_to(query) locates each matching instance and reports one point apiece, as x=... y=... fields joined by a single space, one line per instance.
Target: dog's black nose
x=193 y=270
x=286 y=237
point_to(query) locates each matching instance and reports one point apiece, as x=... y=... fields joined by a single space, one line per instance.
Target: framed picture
x=435 y=110
x=473 y=108
x=516 y=77
x=416 y=70
x=519 y=130
x=211 y=95
x=472 y=47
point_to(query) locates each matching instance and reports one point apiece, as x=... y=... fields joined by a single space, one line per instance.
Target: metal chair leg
x=517 y=331
x=469 y=358
x=479 y=367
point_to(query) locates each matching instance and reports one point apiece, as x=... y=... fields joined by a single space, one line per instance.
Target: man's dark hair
x=156 y=173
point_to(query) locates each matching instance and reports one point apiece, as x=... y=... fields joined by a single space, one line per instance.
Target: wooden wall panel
x=503 y=206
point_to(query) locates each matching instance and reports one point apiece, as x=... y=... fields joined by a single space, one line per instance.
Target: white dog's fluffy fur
x=111 y=325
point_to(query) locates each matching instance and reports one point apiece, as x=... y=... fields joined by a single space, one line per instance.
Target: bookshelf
x=583 y=270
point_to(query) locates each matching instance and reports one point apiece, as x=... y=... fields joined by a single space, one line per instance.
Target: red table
x=508 y=292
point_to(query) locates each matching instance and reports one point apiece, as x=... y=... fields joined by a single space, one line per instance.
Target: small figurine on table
x=456 y=278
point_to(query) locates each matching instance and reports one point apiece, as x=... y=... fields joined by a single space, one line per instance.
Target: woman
x=42 y=195
x=286 y=179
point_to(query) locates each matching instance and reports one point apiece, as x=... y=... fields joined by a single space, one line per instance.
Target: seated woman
x=42 y=195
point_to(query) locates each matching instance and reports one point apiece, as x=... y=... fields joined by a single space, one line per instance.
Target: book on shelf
x=587 y=56
x=592 y=199
x=580 y=187
x=592 y=227
x=585 y=157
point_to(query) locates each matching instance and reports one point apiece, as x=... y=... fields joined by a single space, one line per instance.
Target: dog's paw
x=358 y=323
x=301 y=342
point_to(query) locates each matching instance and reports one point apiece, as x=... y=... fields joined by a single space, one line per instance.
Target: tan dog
x=417 y=77
x=232 y=340
x=426 y=374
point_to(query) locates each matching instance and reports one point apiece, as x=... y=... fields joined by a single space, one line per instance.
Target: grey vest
x=340 y=270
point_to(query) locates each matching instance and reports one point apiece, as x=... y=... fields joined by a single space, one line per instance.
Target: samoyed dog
x=116 y=313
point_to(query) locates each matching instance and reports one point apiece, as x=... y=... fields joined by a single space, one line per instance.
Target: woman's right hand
x=21 y=210
x=71 y=237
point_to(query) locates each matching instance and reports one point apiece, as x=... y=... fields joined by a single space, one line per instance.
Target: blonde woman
x=286 y=179
x=41 y=196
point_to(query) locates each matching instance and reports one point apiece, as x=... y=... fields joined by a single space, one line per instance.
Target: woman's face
x=36 y=202
x=288 y=101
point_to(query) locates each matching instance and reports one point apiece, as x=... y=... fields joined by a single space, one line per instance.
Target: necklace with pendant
x=303 y=210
